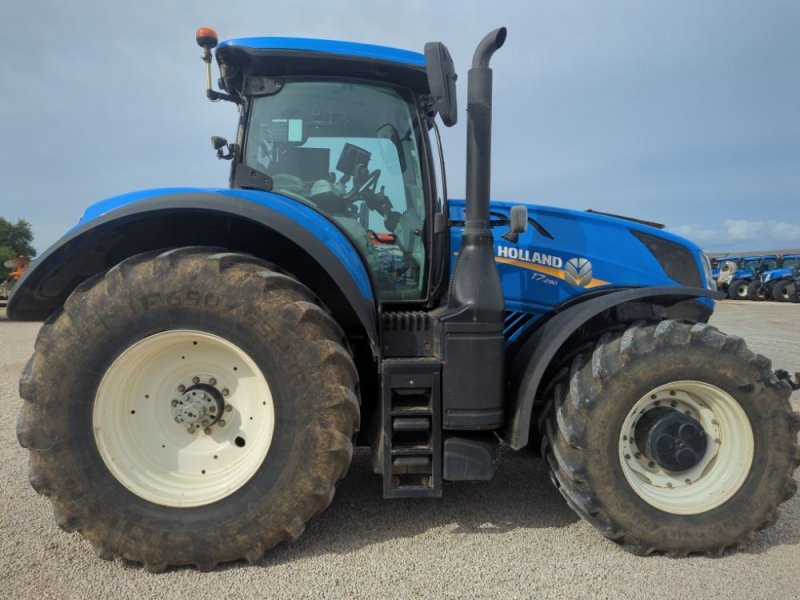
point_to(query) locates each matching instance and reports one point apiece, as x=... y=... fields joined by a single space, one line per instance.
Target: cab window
x=350 y=150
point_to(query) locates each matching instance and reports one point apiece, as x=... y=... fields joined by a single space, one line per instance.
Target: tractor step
x=412 y=428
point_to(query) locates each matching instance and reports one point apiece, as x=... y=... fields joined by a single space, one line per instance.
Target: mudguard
x=538 y=351
x=268 y=225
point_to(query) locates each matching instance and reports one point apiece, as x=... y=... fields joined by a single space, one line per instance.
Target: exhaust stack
x=479 y=129
x=475 y=284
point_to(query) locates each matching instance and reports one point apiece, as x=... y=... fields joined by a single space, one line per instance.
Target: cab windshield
x=791 y=263
x=350 y=150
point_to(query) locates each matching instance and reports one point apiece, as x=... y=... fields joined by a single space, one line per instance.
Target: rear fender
x=285 y=232
x=537 y=353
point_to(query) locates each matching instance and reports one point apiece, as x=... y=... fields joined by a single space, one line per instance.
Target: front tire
x=755 y=291
x=189 y=407
x=781 y=291
x=794 y=292
x=595 y=438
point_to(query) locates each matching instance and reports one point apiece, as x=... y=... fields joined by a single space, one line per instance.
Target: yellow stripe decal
x=552 y=271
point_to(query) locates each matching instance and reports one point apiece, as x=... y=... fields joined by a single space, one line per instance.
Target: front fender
x=265 y=224
x=539 y=350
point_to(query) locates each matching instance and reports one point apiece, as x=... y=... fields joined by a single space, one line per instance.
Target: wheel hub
x=674 y=440
x=201 y=406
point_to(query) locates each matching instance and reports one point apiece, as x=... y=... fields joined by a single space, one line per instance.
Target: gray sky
x=684 y=112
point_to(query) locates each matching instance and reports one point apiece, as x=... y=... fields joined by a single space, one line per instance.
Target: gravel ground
x=513 y=537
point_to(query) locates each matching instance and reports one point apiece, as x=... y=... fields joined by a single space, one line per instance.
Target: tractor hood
x=567 y=253
x=777 y=274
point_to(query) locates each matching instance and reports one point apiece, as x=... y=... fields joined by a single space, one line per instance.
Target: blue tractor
x=778 y=284
x=210 y=357
x=749 y=272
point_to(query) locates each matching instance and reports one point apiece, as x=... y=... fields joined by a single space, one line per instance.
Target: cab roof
x=283 y=56
x=760 y=257
x=311 y=45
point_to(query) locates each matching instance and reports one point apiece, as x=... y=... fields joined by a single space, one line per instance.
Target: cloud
x=697 y=234
x=733 y=234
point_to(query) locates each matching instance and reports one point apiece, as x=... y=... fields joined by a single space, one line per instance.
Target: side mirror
x=442 y=81
x=225 y=151
x=517 y=223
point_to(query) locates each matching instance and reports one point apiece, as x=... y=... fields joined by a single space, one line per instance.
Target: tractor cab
x=753 y=266
x=341 y=127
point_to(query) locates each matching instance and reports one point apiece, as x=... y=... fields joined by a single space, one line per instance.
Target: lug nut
x=225 y=392
x=212 y=381
x=221 y=423
x=174 y=403
x=228 y=408
x=205 y=422
x=181 y=388
x=195 y=380
x=212 y=409
x=207 y=430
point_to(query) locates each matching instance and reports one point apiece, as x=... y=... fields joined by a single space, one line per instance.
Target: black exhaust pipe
x=479 y=129
x=473 y=342
x=475 y=281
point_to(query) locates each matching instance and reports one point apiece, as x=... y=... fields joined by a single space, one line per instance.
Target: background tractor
x=210 y=357
x=776 y=284
x=749 y=271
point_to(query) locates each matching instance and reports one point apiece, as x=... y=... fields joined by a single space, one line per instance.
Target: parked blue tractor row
x=749 y=270
x=210 y=357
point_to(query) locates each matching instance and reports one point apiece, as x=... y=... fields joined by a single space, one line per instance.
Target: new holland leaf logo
x=578 y=272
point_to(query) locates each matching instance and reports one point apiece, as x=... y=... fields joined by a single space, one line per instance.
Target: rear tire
x=780 y=291
x=109 y=427
x=737 y=290
x=606 y=477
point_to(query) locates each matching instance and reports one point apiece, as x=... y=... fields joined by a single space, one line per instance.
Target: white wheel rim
x=724 y=467
x=156 y=457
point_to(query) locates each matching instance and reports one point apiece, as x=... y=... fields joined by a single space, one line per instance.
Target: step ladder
x=412 y=428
